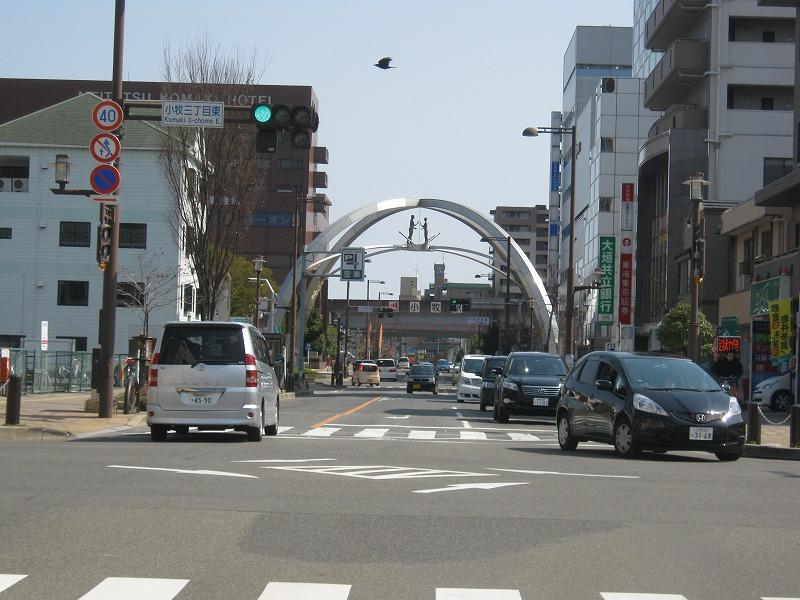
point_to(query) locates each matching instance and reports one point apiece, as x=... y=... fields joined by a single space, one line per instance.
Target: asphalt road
x=397 y=497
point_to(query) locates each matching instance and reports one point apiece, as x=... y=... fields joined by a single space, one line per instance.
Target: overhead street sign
x=413 y=307
x=363 y=308
x=436 y=307
x=477 y=320
x=352 y=264
x=104 y=179
x=394 y=304
x=107 y=115
x=105 y=147
x=191 y=113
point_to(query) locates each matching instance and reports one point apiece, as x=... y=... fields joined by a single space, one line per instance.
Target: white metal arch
x=348 y=228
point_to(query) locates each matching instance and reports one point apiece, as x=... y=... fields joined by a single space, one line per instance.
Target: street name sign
x=436 y=307
x=107 y=115
x=191 y=113
x=413 y=307
x=477 y=320
x=352 y=264
x=105 y=147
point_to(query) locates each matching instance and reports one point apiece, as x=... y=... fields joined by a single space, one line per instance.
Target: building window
x=73 y=293
x=290 y=163
x=775 y=168
x=606 y=203
x=188 y=298
x=541 y=232
x=767 y=103
x=129 y=295
x=541 y=259
x=541 y=246
x=14 y=173
x=80 y=342
x=606 y=144
x=768 y=37
x=516 y=214
x=133 y=235
x=542 y=218
x=766 y=243
x=74 y=234
x=5 y=233
x=523 y=241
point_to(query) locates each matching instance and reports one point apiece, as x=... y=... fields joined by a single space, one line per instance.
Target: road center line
x=566 y=474
x=355 y=409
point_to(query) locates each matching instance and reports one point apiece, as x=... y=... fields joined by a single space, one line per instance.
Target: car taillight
x=250 y=373
x=152 y=373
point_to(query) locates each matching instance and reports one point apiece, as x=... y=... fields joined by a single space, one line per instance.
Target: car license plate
x=417 y=386
x=205 y=400
x=541 y=402
x=703 y=434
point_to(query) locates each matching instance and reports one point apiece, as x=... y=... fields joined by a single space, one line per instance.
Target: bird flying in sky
x=384 y=63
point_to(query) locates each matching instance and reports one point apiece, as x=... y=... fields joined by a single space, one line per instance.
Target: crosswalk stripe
x=135 y=588
x=284 y=428
x=773 y=598
x=422 y=434
x=524 y=437
x=372 y=433
x=281 y=590
x=612 y=596
x=321 y=432
x=476 y=594
x=7 y=580
x=472 y=435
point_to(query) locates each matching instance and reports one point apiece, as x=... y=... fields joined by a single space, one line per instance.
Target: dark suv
x=422 y=377
x=488 y=377
x=530 y=382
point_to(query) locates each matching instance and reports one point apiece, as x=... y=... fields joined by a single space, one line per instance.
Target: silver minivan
x=213 y=376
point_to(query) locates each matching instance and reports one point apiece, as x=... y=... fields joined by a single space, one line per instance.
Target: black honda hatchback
x=639 y=401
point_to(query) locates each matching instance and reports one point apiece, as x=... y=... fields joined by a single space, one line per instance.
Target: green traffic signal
x=261 y=113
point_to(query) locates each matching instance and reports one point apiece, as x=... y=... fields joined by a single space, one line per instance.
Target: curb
x=21 y=432
x=773 y=452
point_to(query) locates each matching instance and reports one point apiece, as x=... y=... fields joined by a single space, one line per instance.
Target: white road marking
x=184 y=471
x=7 y=580
x=284 y=460
x=608 y=596
x=421 y=434
x=459 y=415
x=378 y=472
x=135 y=588
x=403 y=417
x=766 y=598
x=281 y=429
x=453 y=487
x=281 y=590
x=321 y=432
x=524 y=437
x=476 y=594
x=567 y=474
x=372 y=433
x=471 y=435
x=551 y=431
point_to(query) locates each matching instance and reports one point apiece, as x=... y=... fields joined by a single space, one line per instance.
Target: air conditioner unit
x=5 y=185
x=19 y=185
x=609 y=85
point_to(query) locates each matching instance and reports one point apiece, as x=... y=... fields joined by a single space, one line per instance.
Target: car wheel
x=624 y=443
x=728 y=456
x=182 y=429
x=483 y=405
x=502 y=414
x=158 y=433
x=408 y=389
x=566 y=440
x=494 y=411
x=271 y=430
x=255 y=434
x=781 y=401
x=459 y=399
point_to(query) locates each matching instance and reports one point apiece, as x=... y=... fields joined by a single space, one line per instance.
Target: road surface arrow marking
x=469 y=486
x=185 y=471
x=567 y=474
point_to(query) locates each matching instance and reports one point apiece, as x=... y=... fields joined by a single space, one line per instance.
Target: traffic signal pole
x=108 y=318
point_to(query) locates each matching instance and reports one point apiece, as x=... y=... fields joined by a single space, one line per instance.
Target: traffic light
x=466 y=304
x=104 y=233
x=299 y=121
x=390 y=313
x=453 y=304
x=381 y=312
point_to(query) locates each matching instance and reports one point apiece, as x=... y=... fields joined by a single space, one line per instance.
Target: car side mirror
x=277 y=360
x=621 y=390
x=604 y=384
x=726 y=388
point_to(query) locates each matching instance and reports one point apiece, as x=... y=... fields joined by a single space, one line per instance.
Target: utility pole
x=108 y=315
x=293 y=313
x=508 y=290
x=696 y=183
x=346 y=327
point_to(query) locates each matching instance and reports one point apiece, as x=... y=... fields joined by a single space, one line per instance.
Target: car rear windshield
x=369 y=368
x=210 y=345
x=537 y=365
x=385 y=362
x=655 y=373
x=493 y=363
x=422 y=370
x=472 y=365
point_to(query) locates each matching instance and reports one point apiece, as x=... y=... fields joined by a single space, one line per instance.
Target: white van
x=470 y=379
x=212 y=375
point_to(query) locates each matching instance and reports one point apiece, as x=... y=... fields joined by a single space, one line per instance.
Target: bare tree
x=214 y=173
x=148 y=285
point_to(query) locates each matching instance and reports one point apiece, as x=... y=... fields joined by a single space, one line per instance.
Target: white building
x=48 y=242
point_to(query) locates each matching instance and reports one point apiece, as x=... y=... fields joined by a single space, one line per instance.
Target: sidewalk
x=60 y=417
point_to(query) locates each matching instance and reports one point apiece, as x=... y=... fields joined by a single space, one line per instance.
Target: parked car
x=488 y=375
x=529 y=382
x=640 y=401
x=212 y=375
x=387 y=369
x=366 y=372
x=469 y=378
x=775 y=392
x=422 y=377
x=443 y=366
x=403 y=365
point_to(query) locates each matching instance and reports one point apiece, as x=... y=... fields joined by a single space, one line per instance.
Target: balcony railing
x=669 y=20
x=682 y=117
x=682 y=65
x=774 y=266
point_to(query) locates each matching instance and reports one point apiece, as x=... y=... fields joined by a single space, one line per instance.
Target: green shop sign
x=764 y=292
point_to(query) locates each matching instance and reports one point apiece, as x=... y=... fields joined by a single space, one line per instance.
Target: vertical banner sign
x=625 y=282
x=627 y=207
x=44 y=340
x=780 y=333
x=555 y=176
x=762 y=367
x=605 y=296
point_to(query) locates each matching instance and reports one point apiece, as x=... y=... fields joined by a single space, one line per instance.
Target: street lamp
x=570 y=309
x=368 y=336
x=696 y=183
x=507 y=240
x=258 y=266
x=383 y=294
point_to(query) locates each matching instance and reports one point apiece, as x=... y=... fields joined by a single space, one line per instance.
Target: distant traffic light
x=453 y=304
x=299 y=121
x=466 y=304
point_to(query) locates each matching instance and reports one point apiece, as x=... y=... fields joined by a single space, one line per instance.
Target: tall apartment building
x=723 y=83
x=528 y=226
x=291 y=174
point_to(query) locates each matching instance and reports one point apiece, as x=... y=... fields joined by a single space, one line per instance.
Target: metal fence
x=50 y=371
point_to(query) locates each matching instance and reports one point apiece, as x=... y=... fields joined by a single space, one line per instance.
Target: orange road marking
x=345 y=413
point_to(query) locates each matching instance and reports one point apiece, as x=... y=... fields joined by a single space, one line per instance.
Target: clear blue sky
x=447 y=123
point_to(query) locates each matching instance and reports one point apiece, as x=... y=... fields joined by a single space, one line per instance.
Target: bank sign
x=605 y=295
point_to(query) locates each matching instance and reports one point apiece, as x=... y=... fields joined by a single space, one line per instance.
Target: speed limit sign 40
x=107 y=115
